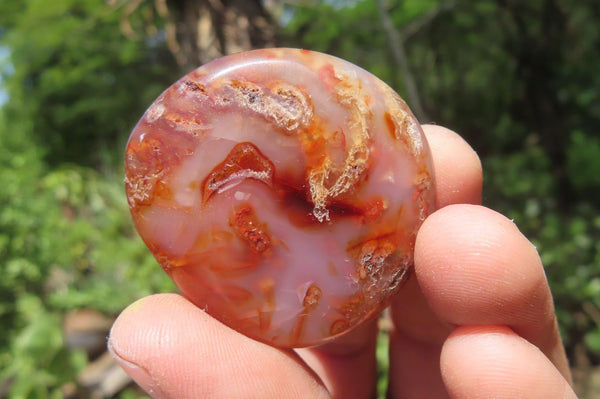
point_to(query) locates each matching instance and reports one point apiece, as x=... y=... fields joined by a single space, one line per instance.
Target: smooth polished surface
x=282 y=190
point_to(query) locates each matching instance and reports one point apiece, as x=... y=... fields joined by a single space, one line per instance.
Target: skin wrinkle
x=149 y=383
x=355 y=351
x=418 y=375
x=414 y=318
x=492 y=369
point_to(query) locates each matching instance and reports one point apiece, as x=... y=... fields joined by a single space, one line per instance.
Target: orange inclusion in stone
x=372 y=210
x=162 y=191
x=244 y=161
x=390 y=124
x=312 y=297
x=254 y=234
x=327 y=76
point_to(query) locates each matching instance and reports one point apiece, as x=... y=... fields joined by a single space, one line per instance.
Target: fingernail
x=138 y=373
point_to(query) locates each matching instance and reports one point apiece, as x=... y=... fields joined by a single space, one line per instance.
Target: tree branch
x=396 y=43
x=414 y=27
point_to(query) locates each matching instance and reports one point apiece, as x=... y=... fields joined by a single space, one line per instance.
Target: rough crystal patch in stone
x=282 y=190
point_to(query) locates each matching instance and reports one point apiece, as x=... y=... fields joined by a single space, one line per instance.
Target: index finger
x=472 y=267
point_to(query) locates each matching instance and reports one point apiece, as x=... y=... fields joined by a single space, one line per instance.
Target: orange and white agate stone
x=282 y=191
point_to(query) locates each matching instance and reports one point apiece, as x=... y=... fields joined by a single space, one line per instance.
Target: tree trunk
x=208 y=29
x=198 y=31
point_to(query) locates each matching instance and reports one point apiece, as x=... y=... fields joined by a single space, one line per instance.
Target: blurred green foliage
x=517 y=79
x=76 y=78
x=66 y=242
x=75 y=86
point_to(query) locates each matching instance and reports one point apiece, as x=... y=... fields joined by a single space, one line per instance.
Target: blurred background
x=519 y=80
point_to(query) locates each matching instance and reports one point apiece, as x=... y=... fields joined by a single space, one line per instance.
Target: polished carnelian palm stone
x=281 y=190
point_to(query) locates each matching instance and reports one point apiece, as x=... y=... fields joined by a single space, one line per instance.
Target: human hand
x=475 y=320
